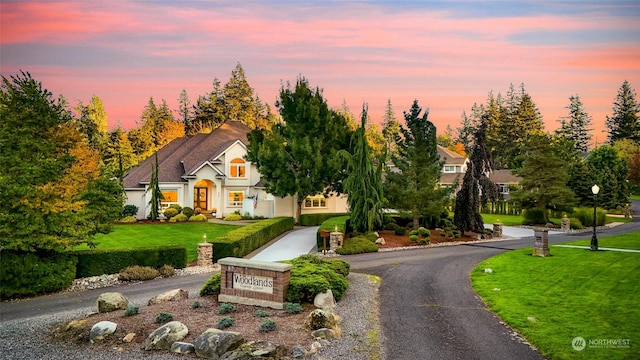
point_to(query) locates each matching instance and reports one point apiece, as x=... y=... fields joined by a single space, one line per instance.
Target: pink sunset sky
x=448 y=55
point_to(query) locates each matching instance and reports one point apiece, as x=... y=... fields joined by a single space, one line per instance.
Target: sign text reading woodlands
x=253 y=283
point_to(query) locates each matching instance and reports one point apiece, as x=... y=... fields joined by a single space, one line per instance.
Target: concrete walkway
x=293 y=244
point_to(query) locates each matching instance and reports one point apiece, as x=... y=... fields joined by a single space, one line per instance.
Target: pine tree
x=154 y=188
x=92 y=123
x=575 y=126
x=625 y=121
x=390 y=128
x=184 y=111
x=238 y=98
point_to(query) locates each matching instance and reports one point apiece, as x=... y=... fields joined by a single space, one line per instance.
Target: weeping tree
x=364 y=182
x=156 y=194
x=476 y=188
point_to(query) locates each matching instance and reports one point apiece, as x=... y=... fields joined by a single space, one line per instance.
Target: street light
x=595 y=189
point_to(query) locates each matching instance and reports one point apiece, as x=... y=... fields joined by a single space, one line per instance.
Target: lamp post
x=595 y=189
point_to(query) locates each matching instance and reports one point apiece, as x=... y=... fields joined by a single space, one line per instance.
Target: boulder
x=298 y=352
x=102 y=329
x=319 y=319
x=380 y=241
x=213 y=343
x=323 y=333
x=163 y=337
x=257 y=350
x=325 y=301
x=111 y=301
x=171 y=295
x=179 y=347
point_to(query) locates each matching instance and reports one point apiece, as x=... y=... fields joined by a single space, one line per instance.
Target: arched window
x=236 y=168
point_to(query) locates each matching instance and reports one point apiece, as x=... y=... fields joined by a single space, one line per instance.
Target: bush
x=292 y=308
x=225 y=309
x=357 y=245
x=188 y=212
x=111 y=261
x=32 y=273
x=212 y=286
x=267 y=325
x=318 y=219
x=399 y=230
x=575 y=224
x=310 y=276
x=129 y=210
x=166 y=271
x=224 y=322
x=131 y=310
x=341 y=223
x=196 y=305
x=413 y=232
x=413 y=238
x=533 y=216
x=128 y=220
x=261 y=313
x=179 y=218
x=136 y=272
x=198 y=218
x=245 y=239
x=233 y=217
x=390 y=226
x=425 y=240
x=163 y=317
x=424 y=232
x=585 y=216
x=171 y=212
x=176 y=206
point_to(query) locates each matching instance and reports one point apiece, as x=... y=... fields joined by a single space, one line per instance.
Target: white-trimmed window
x=235 y=198
x=503 y=188
x=449 y=168
x=170 y=196
x=318 y=201
x=237 y=168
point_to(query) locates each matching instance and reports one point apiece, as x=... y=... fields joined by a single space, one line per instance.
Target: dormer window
x=450 y=168
x=237 y=168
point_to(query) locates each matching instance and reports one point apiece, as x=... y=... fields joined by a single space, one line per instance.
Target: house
x=504 y=179
x=209 y=172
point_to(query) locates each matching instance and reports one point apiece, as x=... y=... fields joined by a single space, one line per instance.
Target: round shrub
x=399 y=230
x=166 y=271
x=575 y=224
x=129 y=210
x=179 y=218
x=533 y=216
x=261 y=313
x=196 y=305
x=225 y=309
x=171 y=212
x=308 y=278
x=425 y=240
x=413 y=232
x=138 y=273
x=423 y=231
x=267 y=325
x=233 y=217
x=413 y=238
x=198 y=218
x=163 y=317
x=128 y=220
x=292 y=308
x=357 y=245
x=188 y=211
x=224 y=322
x=212 y=286
x=390 y=226
x=176 y=206
x=131 y=310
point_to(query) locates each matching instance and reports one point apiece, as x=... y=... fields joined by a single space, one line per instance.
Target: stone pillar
x=564 y=224
x=497 y=230
x=541 y=245
x=205 y=254
x=335 y=240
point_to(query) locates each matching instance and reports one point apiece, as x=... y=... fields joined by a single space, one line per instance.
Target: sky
x=446 y=54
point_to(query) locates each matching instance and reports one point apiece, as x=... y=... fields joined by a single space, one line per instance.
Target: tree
x=92 y=123
x=45 y=168
x=119 y=156
x=104 y=197
x=630 y=152
x=210 y=110
x=575 y=126
x=364 y=182
x=625 y=122
x=610 y=173
x=544 y=175
x=476 y=188
x=238 y=98
x=390 y=128
x=154 y=188
x=298 y=157
x=414 y=188
x=184 y=111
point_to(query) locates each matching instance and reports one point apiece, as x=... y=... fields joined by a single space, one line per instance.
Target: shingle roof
x=504 y=176
x=450 y=157
x=182 y=156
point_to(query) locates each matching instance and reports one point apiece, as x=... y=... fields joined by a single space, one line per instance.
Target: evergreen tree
x=184 y=111
x=414 y=189
x=154 y=188
x=610 y=173
x=625 y=121
x=580 y=182
x=92 y=123
x=390 y=128
x=119 y=156
x=238 y=99
x=466 y=131
x=210 y=110
x=364 y=182
x=575 y=126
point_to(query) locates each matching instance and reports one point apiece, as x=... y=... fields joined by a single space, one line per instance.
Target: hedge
x=342 y=222
x=31 y=273
x=317 y=219
x=245 y=239
x=111 y=261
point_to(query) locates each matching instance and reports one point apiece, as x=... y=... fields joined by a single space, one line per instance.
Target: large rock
x=102 y=329
x=213 y=343
x=171 y=295
x=323 y=333
x=179 y=347
x=257 y=350
x=111 y=301
x=325 y=301
x=163 y=337
x=319 y=319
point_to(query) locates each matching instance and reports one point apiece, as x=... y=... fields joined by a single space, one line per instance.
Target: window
x=236 y=168
x=449 y=168
x=318 y=201
x=169 y=196
x=503 y=188
x=235 y=198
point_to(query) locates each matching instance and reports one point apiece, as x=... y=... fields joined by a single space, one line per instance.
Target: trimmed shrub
x=196 y=305
x=110 y=261
x=425 y=240
x=245 y=239
x=292 y=308
x=26 y=273
x=233 y=217
x=212 y=286
x=128 y=220
x=317 y=219
x=575 y=224
x=340 y=222
x=225 y=308
x=585 y=215
x=267 y=325
x=357 y=245
x=338 y=265
x=166 y=271
x=189 y=212
x=198 y=218
x=424 y=232
x=413 y=232
x=413 y=238
x=390 y=226
x=533 y=216
x=261 y=313
x=311 y=275
x=129 y=210
x=171 y=212
x=131 y=310
x=176 y=206
x=163 y=317
x=138 y=273
x=225 y=322
x=399 y=230
x=179 y=218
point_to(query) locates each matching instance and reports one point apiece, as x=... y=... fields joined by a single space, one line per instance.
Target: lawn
x=573 y=293
x=626 y=241
x=149 y=235
x=516 y=220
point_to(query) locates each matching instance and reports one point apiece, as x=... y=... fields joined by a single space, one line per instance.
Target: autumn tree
x=414 y=188
x=119 y=156
x=576 y=126
x=298 y=157
x=625 y=121
x=92 y=123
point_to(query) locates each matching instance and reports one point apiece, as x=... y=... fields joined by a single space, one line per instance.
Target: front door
x=200 y=198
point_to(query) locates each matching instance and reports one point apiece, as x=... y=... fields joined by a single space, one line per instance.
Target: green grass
x=572 y=293
x=626 y=241
x=187 y=234
x=506 y=220
x=635 y=197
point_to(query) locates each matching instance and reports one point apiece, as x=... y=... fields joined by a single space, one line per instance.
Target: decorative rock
x=163 y=337
x=179 y=347
x=325 y=301
x=380 y=241
x=212 y=343
x=257 y=350
x=102 y=329
x=323 y=333
x=298 y=352
x=111 y=301
x=319 y=319
x=171 y=295
x=315 y=346
x=129 y=337
x=75 y=324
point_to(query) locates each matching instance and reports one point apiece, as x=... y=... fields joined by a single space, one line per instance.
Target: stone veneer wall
x=280 y=273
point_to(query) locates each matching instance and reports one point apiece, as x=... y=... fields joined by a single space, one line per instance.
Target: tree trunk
x=298 y=212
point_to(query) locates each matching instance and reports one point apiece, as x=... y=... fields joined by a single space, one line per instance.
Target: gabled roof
x=450 y=157
x=504 y=176
x=183 y=156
